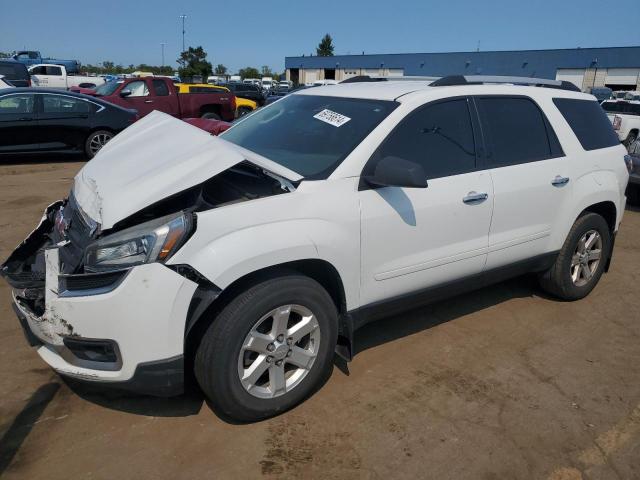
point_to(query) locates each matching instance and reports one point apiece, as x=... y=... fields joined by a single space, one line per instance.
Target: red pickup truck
x=159 y=93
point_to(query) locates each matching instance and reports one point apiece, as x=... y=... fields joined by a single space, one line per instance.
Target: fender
x=597 y=187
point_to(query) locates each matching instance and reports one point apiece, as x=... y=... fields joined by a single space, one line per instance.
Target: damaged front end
x=63 y=227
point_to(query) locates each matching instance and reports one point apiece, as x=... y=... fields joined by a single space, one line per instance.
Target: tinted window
x=16 y=104
x=38 y=70
x=14 y=71
x=515 y=130
x=54 y=71
x=439 y=137
x=161 y=88
x=138 y=88
x=622 y=107
x=589 y=123
x=62 y=104
x=308 y=134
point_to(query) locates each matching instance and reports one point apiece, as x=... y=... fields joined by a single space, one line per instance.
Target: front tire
x=95 y=141
x=581 y=260
x=268 y=349
x=242 y=111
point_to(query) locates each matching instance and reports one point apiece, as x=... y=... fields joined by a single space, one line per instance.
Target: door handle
x=559 y=181
x=25 y=119
x=148 y=101
x=473 y=198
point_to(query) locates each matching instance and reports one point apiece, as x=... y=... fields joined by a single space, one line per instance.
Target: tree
x=266 y=71
x=221 y=69
x=325 y=47
x=194 y=63
x=5 y=55
x=249 y=72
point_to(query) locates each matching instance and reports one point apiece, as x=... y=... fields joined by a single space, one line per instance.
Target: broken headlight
x=148 y=242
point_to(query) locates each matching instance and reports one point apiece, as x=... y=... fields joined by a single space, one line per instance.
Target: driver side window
x=438 y=136
x=138 y=89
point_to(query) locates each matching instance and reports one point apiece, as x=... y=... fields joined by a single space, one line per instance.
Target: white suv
x=250 y=258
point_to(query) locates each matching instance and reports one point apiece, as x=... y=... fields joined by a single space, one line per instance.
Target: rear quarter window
x=589 y=123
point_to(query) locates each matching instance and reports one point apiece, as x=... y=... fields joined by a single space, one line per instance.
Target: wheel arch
x=319 y=270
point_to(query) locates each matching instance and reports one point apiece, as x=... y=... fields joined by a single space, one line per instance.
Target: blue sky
x=264 y=32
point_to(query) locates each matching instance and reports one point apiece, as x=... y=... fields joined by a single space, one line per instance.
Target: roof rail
x=484 y=79
x=369 y=78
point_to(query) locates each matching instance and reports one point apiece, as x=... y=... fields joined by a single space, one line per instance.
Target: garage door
x=396 y=72
x=573 y=75
x=622 y=76
x=310 y=76
x=372 y=72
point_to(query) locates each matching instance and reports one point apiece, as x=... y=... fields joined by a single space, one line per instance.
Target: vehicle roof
x=394 y=90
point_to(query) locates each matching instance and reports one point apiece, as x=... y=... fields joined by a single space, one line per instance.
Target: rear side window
x=161 y=88
x=57 y=71
x=14 y=71
x=438 y=136
x=517 y=131
x=589 y=122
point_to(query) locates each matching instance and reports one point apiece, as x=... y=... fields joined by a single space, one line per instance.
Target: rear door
x=165 y=98
x=531 y=178
x=18 y=122
x=64 y=121
x=416 y=238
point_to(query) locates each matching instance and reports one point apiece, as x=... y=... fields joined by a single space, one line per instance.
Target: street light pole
x=162 y=44
x=183 y=16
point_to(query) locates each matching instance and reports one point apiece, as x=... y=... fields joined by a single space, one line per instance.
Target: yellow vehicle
x=243 y=106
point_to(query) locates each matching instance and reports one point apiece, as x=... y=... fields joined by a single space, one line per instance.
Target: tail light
x=629 y=162
x=617 y=121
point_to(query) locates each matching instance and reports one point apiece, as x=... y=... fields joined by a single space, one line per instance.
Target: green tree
x=5 y=55
x=108 y=66
x=266 y=71
x=194 y=62
x=249 y=72
x=325 y=47
x=221 y=69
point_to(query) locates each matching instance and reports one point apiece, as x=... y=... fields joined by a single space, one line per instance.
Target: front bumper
x=143 y=316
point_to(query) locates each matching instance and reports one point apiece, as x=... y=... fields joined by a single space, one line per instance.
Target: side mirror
x=397 y=172
x=125 y=93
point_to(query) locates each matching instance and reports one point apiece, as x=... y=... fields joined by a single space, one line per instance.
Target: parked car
x=56 y=76
x=214 y=127
x=42 y=120
x=625 y=118
x=256 y=255
x=633 y=96
x=633 y=190
x=33 y=57
x=253 y=81
x=15 y=73
x=601 y=93
x=619 y=94
x=276 y=95
x=159 y=93
x=248 y=91
x=4 y=83
x=243 y=106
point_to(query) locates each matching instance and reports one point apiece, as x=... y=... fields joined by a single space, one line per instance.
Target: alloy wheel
x=279 y=351
x=586 y=258
x=98 y=141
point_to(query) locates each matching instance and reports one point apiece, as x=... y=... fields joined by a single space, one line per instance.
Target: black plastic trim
x=160 y=378
x=388 y=307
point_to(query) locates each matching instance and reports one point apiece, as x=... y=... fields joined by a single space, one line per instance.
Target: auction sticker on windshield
x=332 y=118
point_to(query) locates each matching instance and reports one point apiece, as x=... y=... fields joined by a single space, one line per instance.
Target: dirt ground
x=503 y=383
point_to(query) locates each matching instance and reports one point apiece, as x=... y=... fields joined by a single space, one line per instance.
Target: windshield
x=107 y=88
x=310 y=135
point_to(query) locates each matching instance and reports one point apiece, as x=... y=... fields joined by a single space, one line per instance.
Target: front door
x=18 y=123
x=416 y=238
x=140 y=98
x=64 y=122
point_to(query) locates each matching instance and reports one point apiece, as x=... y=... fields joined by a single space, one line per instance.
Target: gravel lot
x=501 y=383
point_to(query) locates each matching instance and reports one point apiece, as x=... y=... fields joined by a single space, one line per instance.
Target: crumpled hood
x=154 y=158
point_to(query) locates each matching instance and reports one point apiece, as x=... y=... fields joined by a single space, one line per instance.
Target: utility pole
x=162 y=44
x=183 y=16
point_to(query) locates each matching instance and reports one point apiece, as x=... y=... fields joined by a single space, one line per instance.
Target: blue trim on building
x=528 y=63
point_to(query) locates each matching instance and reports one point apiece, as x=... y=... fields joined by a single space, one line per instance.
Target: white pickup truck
x=625 y=117
x=47 y=75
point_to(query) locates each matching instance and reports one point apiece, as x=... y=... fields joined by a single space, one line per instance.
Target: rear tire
x=247 y=369
x=581 y=260
x=95 y=141
x=630 y=139
x=211 y=115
